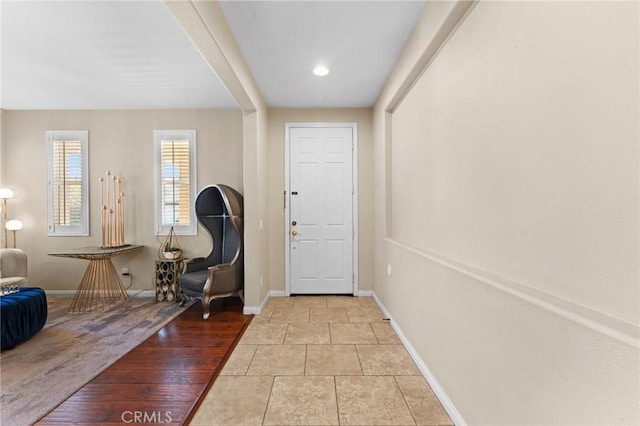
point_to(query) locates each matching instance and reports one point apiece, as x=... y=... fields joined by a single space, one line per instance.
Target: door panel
x=334 y=260
x=309 y=197
x=309 y=253
x=334 y=184
x=321 y=191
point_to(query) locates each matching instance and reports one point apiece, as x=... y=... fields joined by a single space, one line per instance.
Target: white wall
x=509 y=176
x=122 y=142
x=276 y=185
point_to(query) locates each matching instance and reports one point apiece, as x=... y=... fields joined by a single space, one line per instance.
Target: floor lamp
x=5 y=194
x=13 y=225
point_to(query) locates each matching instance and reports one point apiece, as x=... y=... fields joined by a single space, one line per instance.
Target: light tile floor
x=320 y=360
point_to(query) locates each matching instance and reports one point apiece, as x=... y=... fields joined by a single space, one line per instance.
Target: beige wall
x=512 y=171
x=523 y=155
x=206 y=26
x=263 y=200
x=1 y=166
x=256 y=254
x=1 y=142
x=120 y=141
x=276 y=184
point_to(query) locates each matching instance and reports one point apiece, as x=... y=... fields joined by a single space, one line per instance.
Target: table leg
x=100 y=288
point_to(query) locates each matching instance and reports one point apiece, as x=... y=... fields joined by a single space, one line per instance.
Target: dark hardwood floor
x=165 y=378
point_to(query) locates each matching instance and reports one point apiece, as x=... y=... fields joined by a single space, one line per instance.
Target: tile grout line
x=374 y=333
x=359 y=360
x=404 y=398
x=304 y=369
x=335 y=389
x=264 y=414
x=330 y=334
x=255 y=351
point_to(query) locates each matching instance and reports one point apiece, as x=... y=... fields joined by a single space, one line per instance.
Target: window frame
x=158 y=137
x=81 y=230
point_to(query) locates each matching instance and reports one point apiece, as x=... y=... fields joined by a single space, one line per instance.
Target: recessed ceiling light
x=321 y=70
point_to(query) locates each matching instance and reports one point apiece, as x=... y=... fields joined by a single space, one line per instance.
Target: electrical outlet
x=125 y=271
x=389 y=270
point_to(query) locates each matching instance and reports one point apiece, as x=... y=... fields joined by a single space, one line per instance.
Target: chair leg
x=206 y=302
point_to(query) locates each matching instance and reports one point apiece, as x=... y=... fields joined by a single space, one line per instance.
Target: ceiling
x=101 y=55
x=133 y=54
x=359 y=41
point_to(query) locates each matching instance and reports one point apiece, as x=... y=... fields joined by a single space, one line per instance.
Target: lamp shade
x=14 y=225
x=6 y=193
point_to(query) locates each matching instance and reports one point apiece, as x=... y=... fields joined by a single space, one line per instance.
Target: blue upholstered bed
x=22 y=314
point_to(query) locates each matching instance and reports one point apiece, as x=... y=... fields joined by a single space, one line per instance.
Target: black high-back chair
x=219 y=209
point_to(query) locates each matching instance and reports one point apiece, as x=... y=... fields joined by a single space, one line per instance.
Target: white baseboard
x=257 y=310
x=365 y=293
x=60 y=292
x=446 y=402
x=142 y=293
x=131 y=293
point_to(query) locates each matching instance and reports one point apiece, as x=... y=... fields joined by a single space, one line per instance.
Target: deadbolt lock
x=294 y=223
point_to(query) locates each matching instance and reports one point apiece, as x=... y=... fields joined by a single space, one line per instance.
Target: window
x=175 y=153
x=68 y=207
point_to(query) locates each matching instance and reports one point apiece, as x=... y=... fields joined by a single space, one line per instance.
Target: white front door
x=321 y=210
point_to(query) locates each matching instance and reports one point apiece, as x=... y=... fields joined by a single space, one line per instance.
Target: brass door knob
x=294 y=233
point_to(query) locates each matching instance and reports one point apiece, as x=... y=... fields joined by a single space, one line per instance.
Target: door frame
x=287 y=196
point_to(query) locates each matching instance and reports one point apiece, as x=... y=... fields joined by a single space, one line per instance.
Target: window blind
x=175 y=181
x=67 y=182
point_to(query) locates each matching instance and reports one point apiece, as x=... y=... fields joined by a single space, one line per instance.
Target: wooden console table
x=100 y=288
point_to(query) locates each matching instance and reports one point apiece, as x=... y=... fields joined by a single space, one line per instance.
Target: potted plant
x=171 y=252
x=170 y=248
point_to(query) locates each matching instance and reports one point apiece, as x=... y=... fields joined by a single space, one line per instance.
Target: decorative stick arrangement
x=112 y=211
